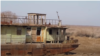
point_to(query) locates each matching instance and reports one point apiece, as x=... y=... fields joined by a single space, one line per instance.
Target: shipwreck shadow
x=69 y=53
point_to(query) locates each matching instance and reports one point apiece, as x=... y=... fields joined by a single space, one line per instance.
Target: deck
x=28 y=22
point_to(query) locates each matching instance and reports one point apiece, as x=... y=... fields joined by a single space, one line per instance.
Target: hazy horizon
x=71 y=12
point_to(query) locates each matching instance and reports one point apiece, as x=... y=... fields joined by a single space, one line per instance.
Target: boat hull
x=36 y=49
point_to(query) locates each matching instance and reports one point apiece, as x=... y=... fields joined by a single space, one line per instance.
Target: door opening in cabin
x=28 y=31
x=68 y=37
x=38 y=31
x=50 y=31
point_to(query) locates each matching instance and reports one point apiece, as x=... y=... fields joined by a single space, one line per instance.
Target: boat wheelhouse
x=34 y=34
x=31 y=29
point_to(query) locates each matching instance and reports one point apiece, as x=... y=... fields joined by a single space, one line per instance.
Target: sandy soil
x=88 y=47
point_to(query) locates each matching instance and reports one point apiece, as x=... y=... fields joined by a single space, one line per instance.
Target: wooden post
x=28 y=19
x=52 y=22
x=45 y=19
x=33 y=19
x=45 y=34
x=41 y=20
x=37 y=19
x=58 y=34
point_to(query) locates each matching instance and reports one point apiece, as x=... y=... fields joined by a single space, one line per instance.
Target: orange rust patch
x=32 y=50
x=42 y=35
x=38 y=39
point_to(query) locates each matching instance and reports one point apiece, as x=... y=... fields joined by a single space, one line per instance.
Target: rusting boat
x=34 y=36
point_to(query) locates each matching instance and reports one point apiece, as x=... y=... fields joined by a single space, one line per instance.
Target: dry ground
x=88 y=46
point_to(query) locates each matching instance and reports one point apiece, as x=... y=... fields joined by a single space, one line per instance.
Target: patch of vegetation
x=85 y=34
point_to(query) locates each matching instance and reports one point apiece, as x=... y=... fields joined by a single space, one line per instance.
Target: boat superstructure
x=34 y=35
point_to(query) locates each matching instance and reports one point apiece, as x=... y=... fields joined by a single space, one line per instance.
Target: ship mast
x=58 y=16
x=58 y=27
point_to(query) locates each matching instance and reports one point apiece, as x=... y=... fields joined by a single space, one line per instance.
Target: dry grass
x=88 y=46
x=84 y=31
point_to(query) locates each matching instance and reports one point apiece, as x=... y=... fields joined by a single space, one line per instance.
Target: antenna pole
x=58 y=15
x=58 y=28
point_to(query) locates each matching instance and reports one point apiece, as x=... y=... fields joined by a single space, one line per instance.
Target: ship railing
x=26 y=21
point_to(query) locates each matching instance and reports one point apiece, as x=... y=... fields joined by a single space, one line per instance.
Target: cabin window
x=3 y=31
x=18 y=31
x=68 y=37
x=57 y=32
x=50 y=31
x=64 y=31
x=38 y=31
x=28 y=30
x=48 y=41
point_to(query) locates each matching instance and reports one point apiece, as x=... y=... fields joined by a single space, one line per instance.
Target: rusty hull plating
x=36 y=49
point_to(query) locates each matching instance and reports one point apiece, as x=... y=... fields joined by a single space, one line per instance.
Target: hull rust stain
x=36 y=49
x=40 y=38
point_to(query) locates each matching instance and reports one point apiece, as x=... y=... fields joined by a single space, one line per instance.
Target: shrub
x=84 y=33
x=69 y=33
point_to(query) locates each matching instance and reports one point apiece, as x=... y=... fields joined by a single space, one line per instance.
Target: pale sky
x=70 y=12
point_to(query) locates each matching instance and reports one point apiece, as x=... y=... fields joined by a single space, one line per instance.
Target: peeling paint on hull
x=36 y=49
